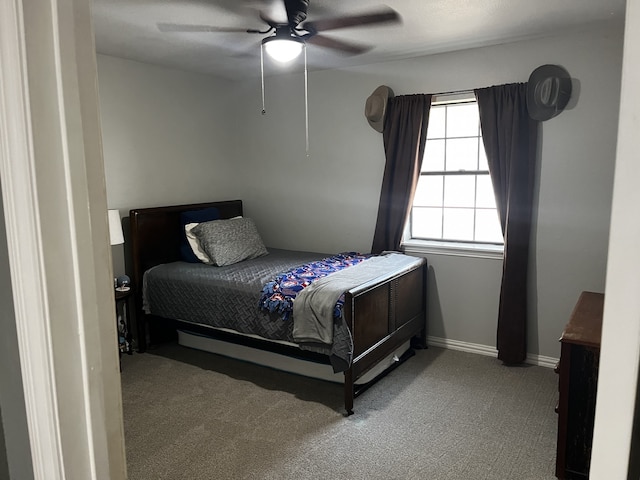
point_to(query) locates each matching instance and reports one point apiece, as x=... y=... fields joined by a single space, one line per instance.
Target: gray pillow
x=230 y=241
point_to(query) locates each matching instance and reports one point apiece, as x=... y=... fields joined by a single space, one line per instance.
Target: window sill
x=453 y=249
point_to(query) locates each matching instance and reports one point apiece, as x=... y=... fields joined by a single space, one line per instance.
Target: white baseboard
x=542 y=361
x=539 y=360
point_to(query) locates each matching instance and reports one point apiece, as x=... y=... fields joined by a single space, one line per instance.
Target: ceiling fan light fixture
x=281 y=49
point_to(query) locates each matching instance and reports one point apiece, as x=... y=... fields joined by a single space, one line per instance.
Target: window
x=454 y=200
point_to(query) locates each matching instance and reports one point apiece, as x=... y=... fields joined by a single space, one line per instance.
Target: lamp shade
x=115 y=228
x=283 y=49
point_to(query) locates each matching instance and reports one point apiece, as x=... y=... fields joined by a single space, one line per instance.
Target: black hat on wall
x=548 y=92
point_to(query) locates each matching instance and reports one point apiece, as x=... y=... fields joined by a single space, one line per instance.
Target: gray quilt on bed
x=227 y=297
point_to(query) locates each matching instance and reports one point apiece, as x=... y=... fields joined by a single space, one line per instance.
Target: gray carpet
x=442 y=415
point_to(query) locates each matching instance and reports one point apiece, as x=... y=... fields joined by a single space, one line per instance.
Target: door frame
x=55 y=211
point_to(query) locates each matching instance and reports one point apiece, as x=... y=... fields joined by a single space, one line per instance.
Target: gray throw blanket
x=314 y=306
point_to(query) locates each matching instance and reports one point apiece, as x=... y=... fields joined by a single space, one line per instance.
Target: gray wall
x=166 y=138
x=12 y=410
x=327 y=201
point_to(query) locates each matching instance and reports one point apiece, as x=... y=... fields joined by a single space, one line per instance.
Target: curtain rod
x=453 y=92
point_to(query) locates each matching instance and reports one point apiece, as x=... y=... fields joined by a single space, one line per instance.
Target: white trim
x=479 y=349
x=462 y=96
x=542 y=360
x=24 y=245
x=455 y=249
x=462 y=346
x=617 y=402
x=56 y=222
x=69 y=102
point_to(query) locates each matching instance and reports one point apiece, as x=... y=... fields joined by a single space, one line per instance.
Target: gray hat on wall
x=548 y=92
x=375 y=109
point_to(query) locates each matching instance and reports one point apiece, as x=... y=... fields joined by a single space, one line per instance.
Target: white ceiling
x=128 y=28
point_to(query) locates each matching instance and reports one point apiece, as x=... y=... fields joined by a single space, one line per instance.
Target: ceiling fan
x=286 y=39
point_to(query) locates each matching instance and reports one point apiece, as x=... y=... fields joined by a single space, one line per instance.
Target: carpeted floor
x=442 y=415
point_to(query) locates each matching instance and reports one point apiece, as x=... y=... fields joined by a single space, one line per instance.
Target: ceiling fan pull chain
x=264 y=112
x=306 y=102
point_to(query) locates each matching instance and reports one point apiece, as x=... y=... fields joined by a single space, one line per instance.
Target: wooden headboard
x=155 y=235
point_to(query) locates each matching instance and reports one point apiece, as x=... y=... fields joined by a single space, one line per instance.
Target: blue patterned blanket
x=278 y=294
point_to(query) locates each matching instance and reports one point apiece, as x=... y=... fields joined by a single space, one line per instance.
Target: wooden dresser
x=578 y=370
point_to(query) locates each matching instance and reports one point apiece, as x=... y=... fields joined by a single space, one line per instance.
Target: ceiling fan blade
x=178 y=27
x=342 y=46
x=386 y=15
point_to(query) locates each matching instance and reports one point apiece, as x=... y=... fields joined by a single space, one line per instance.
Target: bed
x=378 y=315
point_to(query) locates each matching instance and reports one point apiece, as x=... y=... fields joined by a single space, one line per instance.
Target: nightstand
x=123 y=319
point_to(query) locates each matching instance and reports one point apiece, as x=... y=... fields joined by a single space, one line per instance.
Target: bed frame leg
x=348 y=392
x=419 y=342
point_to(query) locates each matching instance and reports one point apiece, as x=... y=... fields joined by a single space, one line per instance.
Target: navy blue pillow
x=194 y=216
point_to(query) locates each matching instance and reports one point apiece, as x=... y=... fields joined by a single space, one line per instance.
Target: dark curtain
x=510 y=140
x=404 y=135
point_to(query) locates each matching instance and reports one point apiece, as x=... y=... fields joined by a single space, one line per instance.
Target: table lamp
x=116 y=235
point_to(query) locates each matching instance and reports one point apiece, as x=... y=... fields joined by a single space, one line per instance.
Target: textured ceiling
x=129 y=29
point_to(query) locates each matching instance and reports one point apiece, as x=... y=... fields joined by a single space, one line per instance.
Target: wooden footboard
x=381 y=315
